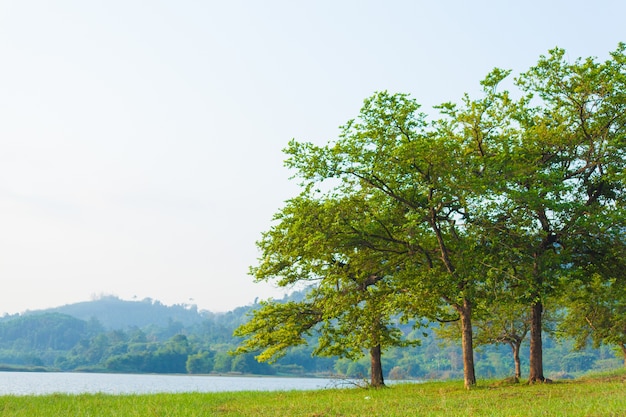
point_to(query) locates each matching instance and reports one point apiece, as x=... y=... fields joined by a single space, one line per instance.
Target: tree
x=366 y=323
x=433 y=176
x=477 y=131
x=505 y=323
x=563 y=172
x=404 y=209
x=171 y=357
x=321 y=242
x=596 y=299
x=222 y=362
x=200 y=363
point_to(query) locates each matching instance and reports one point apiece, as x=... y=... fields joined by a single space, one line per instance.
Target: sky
x=141 y=141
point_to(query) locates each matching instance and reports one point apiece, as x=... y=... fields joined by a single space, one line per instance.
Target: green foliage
x=577 y=362
x=200 y=363
x=276 y=327
x=597 y=312
x=223 y=362
x=52 y=331
x=247 y=364
x=169 y=357
x=13 y=357
x=325 y=244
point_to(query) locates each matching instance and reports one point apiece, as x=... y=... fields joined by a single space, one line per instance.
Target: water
x=40 y=383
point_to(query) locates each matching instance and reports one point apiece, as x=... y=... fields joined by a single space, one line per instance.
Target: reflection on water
x=27 y=383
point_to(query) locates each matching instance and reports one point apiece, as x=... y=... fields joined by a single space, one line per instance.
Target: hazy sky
x=140 y=141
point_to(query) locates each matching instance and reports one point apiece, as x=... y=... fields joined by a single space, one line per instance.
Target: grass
x=601 y=395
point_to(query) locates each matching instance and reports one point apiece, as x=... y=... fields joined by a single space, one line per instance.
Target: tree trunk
x=623 y=347
x=515 y=346
x=536 y=348
x=376 y=371
x=465 y=312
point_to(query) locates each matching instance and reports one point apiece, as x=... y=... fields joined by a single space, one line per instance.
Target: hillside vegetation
x=152 y=337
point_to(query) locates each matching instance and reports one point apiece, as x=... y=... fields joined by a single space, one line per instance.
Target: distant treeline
x=179 y=339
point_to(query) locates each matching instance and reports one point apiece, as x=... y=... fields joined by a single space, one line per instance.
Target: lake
x=40 y=383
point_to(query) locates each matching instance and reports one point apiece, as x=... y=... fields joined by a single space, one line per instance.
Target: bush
x=200 y=363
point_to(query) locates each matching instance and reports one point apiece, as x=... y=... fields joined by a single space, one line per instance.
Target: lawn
x=602 y=395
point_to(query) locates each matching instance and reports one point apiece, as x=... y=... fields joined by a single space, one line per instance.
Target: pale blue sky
x=140 y=141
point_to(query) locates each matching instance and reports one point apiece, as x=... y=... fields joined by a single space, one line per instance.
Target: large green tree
x=562 y=172
x=326 y=243
x=433 y=177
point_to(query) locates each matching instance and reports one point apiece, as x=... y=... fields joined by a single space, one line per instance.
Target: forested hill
x=115 y=313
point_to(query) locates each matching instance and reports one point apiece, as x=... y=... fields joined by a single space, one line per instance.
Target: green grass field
x=602 y=395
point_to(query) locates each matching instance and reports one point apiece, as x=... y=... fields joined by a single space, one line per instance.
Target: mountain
x=115 y=313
